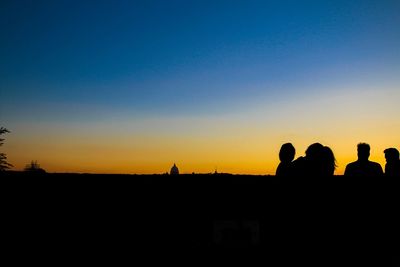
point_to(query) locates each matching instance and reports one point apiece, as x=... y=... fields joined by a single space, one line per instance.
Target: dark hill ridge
x=347 y=222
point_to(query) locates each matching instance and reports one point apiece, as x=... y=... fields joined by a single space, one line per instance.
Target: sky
x=135 y=86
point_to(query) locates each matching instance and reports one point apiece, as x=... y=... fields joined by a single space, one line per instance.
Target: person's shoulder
x=351 y=168
x=376 y=168
x=352 y=164
x=375 y=164
x=299 y=159
x=298 y=163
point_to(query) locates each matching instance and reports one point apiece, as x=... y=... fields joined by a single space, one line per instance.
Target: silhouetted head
x=314 y=151
x=328 y=161
x=363 y=151
x=287 y=152
x=391 y=154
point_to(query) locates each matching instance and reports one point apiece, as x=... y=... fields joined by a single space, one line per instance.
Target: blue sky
x=161 y=53
x=82 y=61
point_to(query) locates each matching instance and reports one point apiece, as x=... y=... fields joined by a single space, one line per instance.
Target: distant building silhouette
x=363 y=167
x=174 y=170
x=392 y=167
x=34 y=168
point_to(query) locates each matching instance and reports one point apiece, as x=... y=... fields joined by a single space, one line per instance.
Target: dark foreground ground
x=300 y=221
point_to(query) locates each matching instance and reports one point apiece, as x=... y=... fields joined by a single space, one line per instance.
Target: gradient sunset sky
x=134 y=86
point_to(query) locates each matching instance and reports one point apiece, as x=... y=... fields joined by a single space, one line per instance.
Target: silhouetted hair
x=392 y=167
x=287 y=152
x=313 y=152
x=391 y=154
x=312 y=164
x=328 y=161
x=286 y=156
x=363 y=150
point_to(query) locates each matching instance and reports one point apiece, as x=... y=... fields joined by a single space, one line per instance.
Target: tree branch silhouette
x=4 y=165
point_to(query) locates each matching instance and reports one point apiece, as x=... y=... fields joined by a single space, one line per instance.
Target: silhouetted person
x=286 y=156
x=392 y=167
x=310 y=164
x=328 y=162
x=318 y=162
x=363 y=167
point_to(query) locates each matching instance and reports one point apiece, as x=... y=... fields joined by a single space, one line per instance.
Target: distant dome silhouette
x=174 y=170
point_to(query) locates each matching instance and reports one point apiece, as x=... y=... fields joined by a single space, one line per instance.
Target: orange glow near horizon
x=242 y=142
x=262 y=160
x=255 y=158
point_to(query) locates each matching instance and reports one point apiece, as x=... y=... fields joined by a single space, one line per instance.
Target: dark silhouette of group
x=320 y=161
